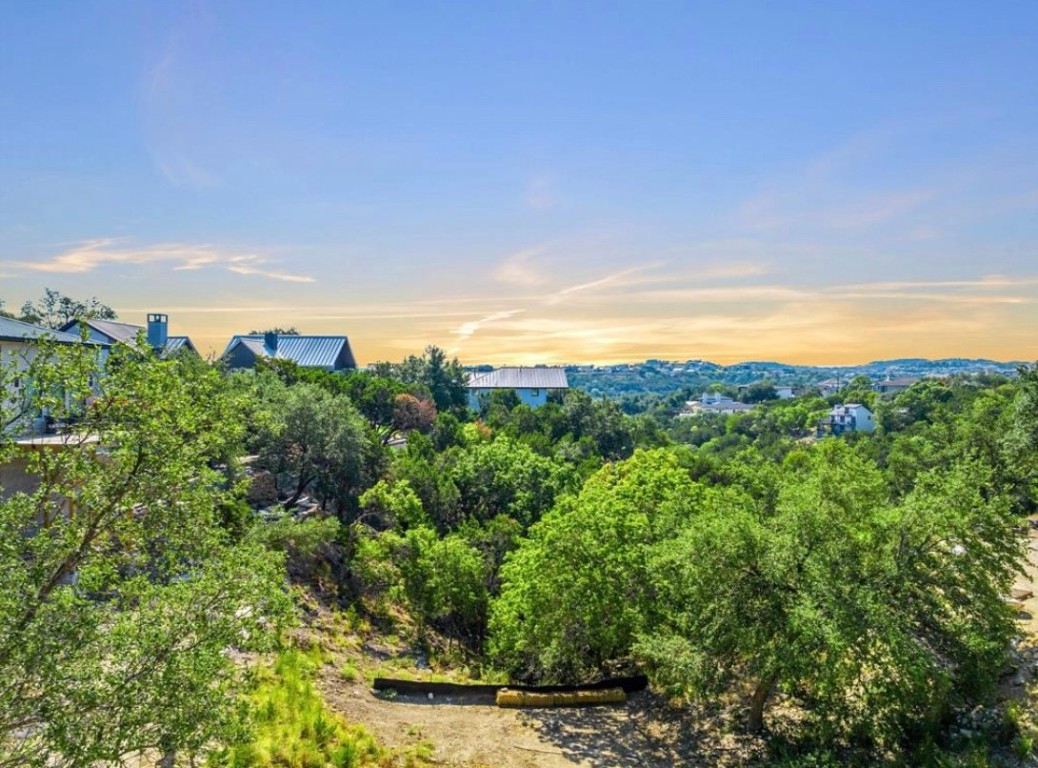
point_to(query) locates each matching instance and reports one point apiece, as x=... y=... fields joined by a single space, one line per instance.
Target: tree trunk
x=759 y=700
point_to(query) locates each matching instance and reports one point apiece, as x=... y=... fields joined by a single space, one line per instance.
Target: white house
x=852 y=417
x=532 y=385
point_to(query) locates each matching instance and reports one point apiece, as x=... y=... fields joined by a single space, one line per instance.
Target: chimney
x=270 y=341
x=157 y=331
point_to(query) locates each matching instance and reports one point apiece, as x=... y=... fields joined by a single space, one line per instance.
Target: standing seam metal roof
x=124 y=332
x=520 y=378
x=16 y=330
x=306 y=351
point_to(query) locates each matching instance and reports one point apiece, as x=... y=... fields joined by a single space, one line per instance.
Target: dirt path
x=1026 y=589
x=474 y=732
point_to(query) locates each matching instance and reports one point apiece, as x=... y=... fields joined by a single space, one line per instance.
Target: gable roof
x=305 y=351
x=520 y=378
x=127 y=334
x=16 y=330
x=176 y=343
x=124 y=332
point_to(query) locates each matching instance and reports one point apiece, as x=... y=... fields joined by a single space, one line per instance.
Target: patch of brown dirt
x=474 y=732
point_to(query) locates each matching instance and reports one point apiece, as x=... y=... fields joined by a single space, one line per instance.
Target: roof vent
x=270 y=341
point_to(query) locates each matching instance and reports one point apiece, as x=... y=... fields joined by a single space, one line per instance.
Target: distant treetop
x=290 y=331
x=55 y=309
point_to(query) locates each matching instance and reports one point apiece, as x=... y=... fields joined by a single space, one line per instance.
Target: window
x=535 y=392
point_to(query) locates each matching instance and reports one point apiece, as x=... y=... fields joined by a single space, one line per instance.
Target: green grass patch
x=291 y=727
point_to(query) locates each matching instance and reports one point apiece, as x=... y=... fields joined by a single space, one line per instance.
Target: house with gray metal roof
x=20 y=344
x=112 y=332
x=532 y=385
x=331 y=353
x=12 y=331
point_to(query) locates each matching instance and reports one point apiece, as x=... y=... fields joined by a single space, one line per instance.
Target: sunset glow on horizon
x=533 y=183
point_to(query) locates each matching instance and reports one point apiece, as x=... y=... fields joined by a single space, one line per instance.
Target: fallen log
x=423 y=688
x=510 y=698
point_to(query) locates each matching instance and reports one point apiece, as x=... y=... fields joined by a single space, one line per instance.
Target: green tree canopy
x=120 y=590
x=55 y=309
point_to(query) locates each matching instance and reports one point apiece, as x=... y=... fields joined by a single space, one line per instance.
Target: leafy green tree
x=55 y=309
x=290 y=331
x=445 y=379
x=858 y=390
x=577 y=592
x=877 y=616
x=316 y=443
x=759 y=392
x=374 y=396
x=120 y=590
x=392 y=505
x=507 y=478
x=1020 y=444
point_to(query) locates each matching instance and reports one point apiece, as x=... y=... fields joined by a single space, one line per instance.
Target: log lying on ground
x=422 y=688
x=509 y=697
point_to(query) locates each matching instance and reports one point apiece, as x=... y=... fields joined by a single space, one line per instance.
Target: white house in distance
x=852 y=417
x=532 y=385
x=895 y=384
x=715 y=402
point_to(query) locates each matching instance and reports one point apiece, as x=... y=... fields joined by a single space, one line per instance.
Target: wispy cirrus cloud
x=625 y=277
x=520 y=268
x=90 y=255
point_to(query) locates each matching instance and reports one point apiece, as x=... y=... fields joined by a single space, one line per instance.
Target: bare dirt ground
x=474 y=732
x=1028 y=582
x=644 y=732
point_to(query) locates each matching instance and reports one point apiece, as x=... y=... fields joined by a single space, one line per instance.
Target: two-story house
x=852 y=417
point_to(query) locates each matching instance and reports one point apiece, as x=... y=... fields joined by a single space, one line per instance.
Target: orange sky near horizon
x=636 y=317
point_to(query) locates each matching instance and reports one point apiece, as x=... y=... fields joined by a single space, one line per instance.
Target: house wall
x=343 y=361
x=240 y=357
x=16 y=356
x=531 y=397
x=863 y=420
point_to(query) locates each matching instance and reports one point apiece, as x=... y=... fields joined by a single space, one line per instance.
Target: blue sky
x=526 y=182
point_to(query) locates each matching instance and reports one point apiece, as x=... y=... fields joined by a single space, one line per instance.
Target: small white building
x=715 y=398
x=829 y=387
x=532 y=385
x=895 y=384
x=852 y=417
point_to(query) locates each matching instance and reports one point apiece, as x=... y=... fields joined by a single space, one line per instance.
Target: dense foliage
x=120 y=587
x=861 y=578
